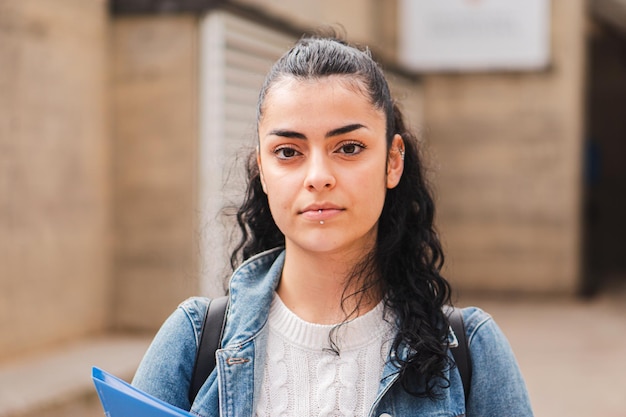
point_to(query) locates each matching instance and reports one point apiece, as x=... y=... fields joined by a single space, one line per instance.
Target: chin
x=325 y=243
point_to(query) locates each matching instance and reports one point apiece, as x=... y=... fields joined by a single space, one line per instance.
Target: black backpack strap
x=461 y=352
x=209 y=342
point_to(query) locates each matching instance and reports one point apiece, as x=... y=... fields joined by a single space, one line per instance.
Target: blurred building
x=124 y=126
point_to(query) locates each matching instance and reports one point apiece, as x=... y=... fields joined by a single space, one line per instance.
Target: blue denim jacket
x=165 y=371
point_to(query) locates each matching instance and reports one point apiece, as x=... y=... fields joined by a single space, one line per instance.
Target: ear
x=395 y=162
x=258 y=162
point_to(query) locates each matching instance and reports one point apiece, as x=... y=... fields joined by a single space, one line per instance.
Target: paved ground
x=58 y=383
x=572 y=352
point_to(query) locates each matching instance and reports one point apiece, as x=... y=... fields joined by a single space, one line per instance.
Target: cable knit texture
x=302 y=377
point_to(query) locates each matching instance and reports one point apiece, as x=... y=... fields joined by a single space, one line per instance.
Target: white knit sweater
x=303 y=378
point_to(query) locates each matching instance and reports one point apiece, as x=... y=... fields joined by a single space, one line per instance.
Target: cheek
x=373 y=178
x=376 y=200
x=370 y=189
x=278 y=195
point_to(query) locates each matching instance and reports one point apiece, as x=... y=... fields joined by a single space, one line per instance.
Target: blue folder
x=120 y=399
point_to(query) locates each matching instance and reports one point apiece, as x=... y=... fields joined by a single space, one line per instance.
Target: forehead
x=289 y=83
x=335 y=94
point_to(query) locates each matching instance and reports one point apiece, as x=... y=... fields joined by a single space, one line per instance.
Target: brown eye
x=286 y=153
x=351 y=148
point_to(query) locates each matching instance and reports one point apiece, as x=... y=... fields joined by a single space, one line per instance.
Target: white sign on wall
x=474 y=35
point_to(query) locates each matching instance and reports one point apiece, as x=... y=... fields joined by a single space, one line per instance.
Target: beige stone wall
x=508 y=154
x=371 y=22
x=155 y=134
x=54 y=158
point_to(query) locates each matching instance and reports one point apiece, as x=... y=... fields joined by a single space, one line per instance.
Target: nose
x=319 y=175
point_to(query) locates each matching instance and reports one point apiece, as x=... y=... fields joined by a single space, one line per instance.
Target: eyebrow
x=334 y=132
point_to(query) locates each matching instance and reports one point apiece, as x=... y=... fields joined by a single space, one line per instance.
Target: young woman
x=338 y=308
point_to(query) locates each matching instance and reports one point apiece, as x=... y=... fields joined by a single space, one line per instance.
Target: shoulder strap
x=461 y=352
x=209 y=342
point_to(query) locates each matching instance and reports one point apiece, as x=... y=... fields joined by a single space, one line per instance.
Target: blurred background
x=124 y=125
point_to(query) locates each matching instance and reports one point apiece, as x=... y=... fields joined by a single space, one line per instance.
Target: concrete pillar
x=155 y=136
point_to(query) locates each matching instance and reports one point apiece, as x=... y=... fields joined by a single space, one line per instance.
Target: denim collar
x=252 y=288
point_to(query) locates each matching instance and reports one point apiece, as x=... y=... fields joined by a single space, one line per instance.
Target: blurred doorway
x=605 y=176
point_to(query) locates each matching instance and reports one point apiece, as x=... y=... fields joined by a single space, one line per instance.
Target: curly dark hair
x=406 y=262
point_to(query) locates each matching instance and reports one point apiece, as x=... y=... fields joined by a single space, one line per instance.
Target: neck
x=313 y=286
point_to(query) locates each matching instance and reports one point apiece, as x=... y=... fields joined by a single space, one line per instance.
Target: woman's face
x=324 y=164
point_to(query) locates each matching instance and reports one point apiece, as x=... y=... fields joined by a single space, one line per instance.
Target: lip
x=319 y=212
